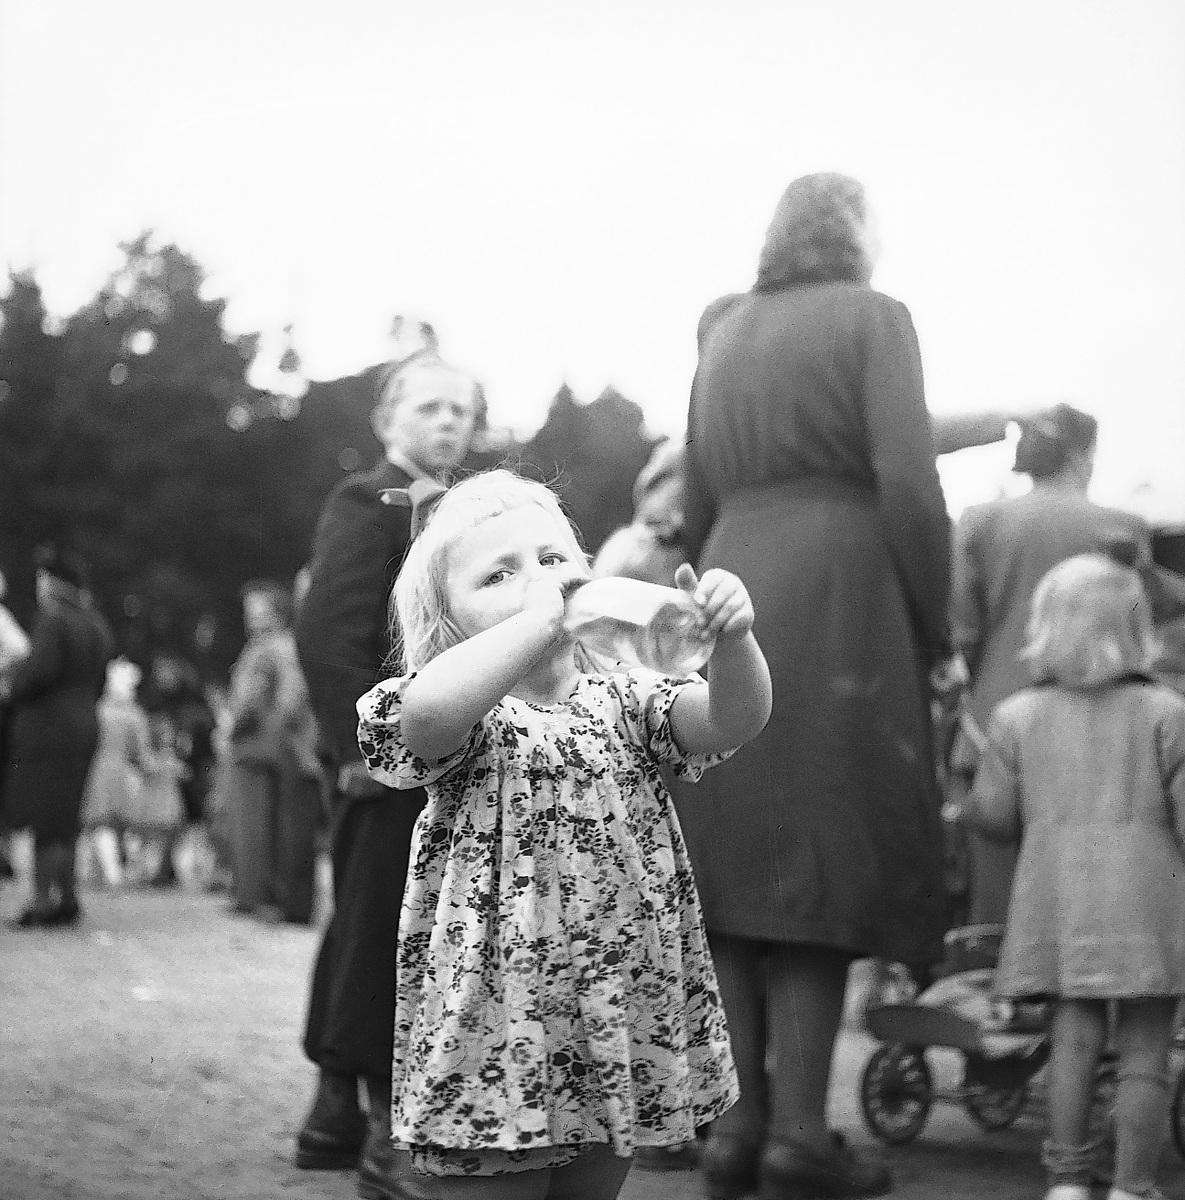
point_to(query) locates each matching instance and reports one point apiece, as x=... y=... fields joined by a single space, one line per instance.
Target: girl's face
x=492 y=564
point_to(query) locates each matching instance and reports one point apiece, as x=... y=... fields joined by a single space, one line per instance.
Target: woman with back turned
x=811 y=475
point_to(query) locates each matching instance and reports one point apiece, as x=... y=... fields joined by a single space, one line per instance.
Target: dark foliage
x=131 y=434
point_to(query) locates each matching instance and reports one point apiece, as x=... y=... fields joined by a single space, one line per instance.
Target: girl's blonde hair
x=421 y=624
x=1090 y=624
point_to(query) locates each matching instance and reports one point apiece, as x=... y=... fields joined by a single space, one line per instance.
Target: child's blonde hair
x=421 y=624
x=1090 y=624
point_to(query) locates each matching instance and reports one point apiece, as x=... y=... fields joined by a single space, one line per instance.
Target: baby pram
x=1003 y=1045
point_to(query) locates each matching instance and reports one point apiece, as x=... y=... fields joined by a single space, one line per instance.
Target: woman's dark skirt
x=825 y=830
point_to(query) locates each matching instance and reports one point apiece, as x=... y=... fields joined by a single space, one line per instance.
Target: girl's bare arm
x=735 y=705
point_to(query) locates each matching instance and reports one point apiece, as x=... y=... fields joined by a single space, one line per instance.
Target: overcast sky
x=561 y=187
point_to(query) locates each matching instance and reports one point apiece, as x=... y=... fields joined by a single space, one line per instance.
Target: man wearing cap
x=425 y=418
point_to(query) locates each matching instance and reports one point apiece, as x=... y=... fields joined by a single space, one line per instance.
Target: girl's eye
x=552 y=559
x=497 y=577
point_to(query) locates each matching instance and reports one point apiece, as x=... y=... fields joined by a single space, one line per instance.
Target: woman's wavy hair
x=421 y=625
x=1051 y=439
x=817 y=234
x=1090 y=624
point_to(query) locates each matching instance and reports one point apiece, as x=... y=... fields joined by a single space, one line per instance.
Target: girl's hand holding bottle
x=548 y=596
x=726 y=611
x=735 y=705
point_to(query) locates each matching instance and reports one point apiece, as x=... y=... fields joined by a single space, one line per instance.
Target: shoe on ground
x=385 y=1173
x=1068 y=1191
x=791 y=1171
x=683 y=1157
x=332 y=1135
x=321 y=1150
x=1149 y=1193
x=729 y=1166
x=54 y=916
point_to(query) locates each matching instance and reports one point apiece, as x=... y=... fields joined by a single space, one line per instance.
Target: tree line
x=131 y=433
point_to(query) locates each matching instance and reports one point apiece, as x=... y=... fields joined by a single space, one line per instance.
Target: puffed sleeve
x=380 y=738
x=646 y=699
x=901 y=447
x=994 y=805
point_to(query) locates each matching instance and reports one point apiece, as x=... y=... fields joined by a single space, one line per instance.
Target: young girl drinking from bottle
x=556 y=1005
x=1088 y=769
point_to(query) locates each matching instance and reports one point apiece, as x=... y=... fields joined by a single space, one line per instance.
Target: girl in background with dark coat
x=54 y=731
x=811 y=475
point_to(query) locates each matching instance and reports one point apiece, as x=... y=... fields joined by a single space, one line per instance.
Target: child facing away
x=158 y=810
x=1087 y=768
x=557 y=1005
x=110 y=799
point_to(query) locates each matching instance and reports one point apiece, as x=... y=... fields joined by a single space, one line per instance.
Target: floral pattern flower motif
x=555 y=986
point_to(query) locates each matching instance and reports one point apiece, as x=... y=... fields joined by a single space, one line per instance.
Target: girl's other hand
x=726 y=611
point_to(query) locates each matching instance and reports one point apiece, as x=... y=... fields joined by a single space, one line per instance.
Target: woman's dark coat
x=53 y=730
x=811 y=475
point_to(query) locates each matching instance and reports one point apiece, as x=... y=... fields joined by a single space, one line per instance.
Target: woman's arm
x=735 y=705
x=967 y=617
x=44 y=665
x=901 y=446
x=994 y=806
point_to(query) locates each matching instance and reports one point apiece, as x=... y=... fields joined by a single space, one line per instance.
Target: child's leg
x=597 y=1174
x=152 y=852
x=105 y=842
x=1142 y=1096
x=1079 y=1032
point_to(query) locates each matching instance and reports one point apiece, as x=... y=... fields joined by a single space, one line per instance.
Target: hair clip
x=421 y=496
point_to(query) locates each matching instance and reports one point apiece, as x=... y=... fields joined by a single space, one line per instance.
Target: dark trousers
x=351 y=1014
x=297 y=821
x=274 y=813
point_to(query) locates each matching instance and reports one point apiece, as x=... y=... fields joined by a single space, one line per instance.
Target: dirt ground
x=152 y=1052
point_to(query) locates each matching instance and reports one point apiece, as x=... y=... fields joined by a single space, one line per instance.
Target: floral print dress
x=555 y=986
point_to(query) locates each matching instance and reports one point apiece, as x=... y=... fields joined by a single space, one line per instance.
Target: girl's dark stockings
x=1142 y=1035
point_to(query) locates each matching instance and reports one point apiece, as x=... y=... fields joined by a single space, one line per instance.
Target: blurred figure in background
x=157 y=810
x=650 y=547
x=14 y=645
x=271 y=788
x=425 y=418
x=174 y=689
x=114 y=777
x=54 y=731
x=1002 y=549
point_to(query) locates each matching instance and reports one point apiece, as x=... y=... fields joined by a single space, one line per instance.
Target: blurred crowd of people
x=809 y=472
x=120 y=777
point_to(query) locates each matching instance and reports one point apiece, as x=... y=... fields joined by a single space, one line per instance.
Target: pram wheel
x=995 y=1107
x=896 y=1093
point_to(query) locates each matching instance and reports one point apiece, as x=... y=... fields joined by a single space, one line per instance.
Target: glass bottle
x=631 y=621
